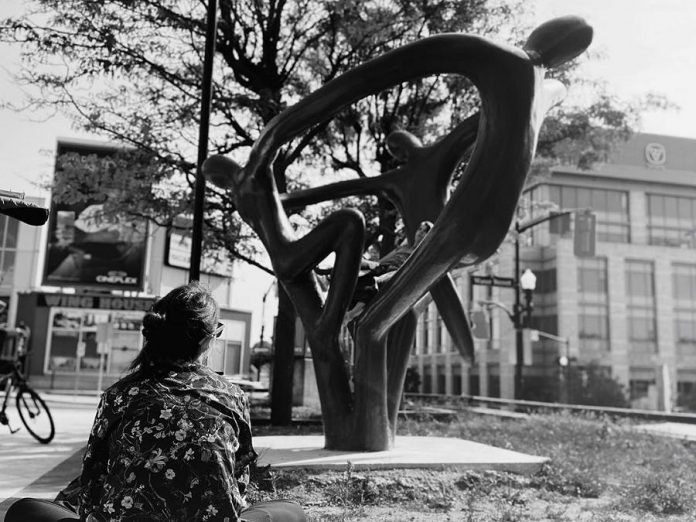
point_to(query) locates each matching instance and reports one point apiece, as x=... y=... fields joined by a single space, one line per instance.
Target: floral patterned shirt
x=175 y=447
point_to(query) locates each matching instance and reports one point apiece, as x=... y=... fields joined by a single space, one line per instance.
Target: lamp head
x=528 y=280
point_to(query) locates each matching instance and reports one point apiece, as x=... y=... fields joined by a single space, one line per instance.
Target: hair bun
x=153 y=322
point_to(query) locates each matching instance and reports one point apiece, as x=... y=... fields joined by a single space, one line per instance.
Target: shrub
x=594 y=386
x=412 y=383
x=661 y=495
x=353 y=489
x=568 y=480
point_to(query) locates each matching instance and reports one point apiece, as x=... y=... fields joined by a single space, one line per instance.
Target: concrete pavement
x=28 y=468
x=676 y=430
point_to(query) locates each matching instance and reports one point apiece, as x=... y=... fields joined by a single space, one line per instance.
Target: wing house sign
x=101 y=302
x=655 y=154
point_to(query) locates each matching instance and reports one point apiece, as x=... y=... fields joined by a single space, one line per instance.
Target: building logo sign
x=655 y=154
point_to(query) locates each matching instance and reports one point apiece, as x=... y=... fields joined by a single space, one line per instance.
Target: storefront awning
x=24 y=211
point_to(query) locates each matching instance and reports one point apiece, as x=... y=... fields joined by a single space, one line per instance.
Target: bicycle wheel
x=35 y=415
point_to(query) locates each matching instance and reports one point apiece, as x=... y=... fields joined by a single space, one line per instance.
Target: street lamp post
x=525 y=283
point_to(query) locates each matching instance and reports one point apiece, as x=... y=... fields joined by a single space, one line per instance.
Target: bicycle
x=32 y=409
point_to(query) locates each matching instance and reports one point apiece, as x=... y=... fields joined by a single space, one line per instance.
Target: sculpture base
x=308 y=452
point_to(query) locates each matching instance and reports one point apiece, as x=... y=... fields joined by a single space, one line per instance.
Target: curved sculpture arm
x=478 y=215
x=351 y=187
x=398 y=185
x=479 y=59
x=342 y=232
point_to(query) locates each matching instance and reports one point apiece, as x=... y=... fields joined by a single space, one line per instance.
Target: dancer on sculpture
x=375 y=274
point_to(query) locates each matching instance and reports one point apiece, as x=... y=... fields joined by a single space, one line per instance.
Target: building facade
x=85 y=334
x=630 y=309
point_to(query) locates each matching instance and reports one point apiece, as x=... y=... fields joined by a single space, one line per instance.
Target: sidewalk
x=70 y=398
x=41 y=470
x=670 y=429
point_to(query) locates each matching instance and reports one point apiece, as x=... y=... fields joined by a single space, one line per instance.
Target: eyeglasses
x=218 y=330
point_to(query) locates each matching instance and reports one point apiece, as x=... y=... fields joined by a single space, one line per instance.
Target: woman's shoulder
x=220 y=381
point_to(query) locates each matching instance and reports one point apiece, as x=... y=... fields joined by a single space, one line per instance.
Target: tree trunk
x=283 y=361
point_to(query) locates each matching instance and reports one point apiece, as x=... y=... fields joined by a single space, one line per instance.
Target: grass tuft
x=660 y=495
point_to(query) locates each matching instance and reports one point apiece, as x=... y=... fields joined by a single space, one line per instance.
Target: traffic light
x=561 y=224
x=480 y=327
x=584 y=236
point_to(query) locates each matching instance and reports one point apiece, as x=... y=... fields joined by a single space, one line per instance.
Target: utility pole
x=206 y=96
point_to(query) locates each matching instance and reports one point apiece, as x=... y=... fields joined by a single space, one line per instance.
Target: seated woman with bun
x=172 y=440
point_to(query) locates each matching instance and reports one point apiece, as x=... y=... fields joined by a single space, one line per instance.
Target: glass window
x=610 y=207
x=640 y=287
x=684 y=283
x=671 y=221
x=616 y=202
x=684 y=293
x=73 y=340
x=686 y=391
x=686 y=329
x=684 y=210
x=8 y=246
x=11 y=233
x=640 y=307
x=593 y=318
x=639 y=388
x=592 y=276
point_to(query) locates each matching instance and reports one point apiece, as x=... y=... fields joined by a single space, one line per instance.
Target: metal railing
x=468 y=400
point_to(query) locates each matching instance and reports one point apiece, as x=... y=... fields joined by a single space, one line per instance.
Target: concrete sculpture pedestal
x=307 y=452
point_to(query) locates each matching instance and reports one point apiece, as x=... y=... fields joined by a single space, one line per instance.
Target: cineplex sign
x=101 y=302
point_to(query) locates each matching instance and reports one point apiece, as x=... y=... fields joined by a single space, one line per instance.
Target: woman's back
x=185 y=435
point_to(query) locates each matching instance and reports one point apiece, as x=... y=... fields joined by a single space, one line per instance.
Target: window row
x=671 y=220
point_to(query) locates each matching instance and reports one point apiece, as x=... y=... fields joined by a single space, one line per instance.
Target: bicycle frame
x=9 y=381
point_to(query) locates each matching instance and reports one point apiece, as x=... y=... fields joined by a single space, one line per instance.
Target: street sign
x=507 y=282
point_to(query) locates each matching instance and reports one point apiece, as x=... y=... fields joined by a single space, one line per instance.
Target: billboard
x=178 y=250
x=86 y=247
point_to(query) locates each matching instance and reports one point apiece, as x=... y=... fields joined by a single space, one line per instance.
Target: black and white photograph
x=341 y=260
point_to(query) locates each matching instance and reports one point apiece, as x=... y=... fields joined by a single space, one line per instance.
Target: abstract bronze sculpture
x=469 y=226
